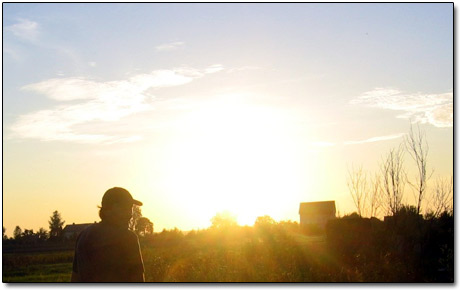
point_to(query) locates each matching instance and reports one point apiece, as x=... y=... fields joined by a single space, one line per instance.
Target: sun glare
x=237 y=157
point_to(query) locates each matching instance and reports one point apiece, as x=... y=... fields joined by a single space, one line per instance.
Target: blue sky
x=118 y=84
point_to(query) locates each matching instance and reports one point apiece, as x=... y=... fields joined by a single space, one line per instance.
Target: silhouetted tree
x=144 y=226
x=42 y=234
x=375 y=195
x=55 y=225
x=417 y=147
x=28 y=236
x=17 y=233
x=265 y=220
x=442 y=199
x=366 y=192
x=353 y=215
x=393 y=179
x=358 y=187
x=223 y=220
x=265 y=224
x=4 y=237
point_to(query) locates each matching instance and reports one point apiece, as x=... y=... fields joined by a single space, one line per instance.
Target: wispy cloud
x=92 y=101
x=327 y=144
x=170 y=46
x=435 y=109
x=214 y=68
x=24 y=29
x=375 y=139
x=12 y=52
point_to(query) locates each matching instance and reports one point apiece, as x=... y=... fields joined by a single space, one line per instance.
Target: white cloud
x=24 y=29
x=375 y=139
x=92 y=63
x=170 y=46
x=67 y=89
x=214 y=68
x=435 y=109
x=92 y=101
x=441 y=116
x=11 y=51
x=324 y=144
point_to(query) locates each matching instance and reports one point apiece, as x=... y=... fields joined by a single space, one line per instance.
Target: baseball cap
x=118 y=195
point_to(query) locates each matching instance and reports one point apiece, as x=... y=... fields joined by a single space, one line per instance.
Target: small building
x=316 y=213
x=72 y=231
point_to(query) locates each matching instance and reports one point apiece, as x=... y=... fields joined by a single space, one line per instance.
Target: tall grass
x=238 y=254
x=39 y=267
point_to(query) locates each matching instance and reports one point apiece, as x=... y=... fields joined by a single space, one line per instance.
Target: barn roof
x=76 y=228
x=317 y=208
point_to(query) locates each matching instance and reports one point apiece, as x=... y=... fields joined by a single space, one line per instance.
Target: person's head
x=117 y=206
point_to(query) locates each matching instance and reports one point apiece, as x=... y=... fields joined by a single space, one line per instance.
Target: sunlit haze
x=198 y=109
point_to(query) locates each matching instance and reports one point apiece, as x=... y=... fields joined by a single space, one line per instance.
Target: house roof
x=76 y=228
x=317 y=208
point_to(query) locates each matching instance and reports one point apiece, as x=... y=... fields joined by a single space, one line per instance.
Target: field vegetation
x=350 y=249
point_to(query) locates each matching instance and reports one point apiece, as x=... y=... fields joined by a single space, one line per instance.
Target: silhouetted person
x=108 y=251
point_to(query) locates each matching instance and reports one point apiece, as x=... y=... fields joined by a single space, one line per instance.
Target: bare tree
x=442 y=199
x=357 y=185
x=393 y=179
x=375 y=196
x=417 y=147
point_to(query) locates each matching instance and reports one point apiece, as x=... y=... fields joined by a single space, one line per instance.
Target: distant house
x=317 y=213
x=72 y=231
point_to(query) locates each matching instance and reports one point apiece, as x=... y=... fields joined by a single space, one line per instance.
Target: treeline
x=139 y=224
x=29 y=237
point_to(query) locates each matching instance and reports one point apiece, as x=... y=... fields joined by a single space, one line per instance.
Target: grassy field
x=37 y=267
x=211 y=256
x=236 y=258
x=355 y=250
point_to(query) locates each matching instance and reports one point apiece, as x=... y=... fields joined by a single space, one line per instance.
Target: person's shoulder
x=129 y=237
x=88 y=230
x=87 y=234
x=91 y=228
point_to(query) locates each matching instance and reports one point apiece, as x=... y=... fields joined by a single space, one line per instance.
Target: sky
x=202 y=108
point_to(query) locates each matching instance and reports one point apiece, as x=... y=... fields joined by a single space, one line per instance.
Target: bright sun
x=236 y=157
